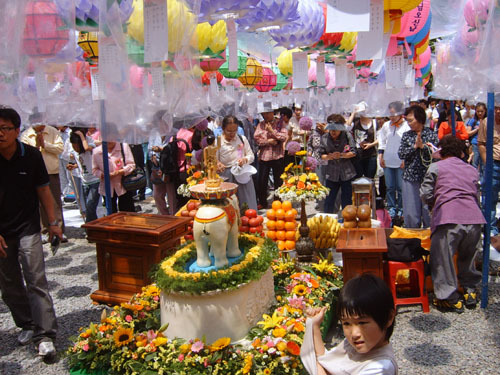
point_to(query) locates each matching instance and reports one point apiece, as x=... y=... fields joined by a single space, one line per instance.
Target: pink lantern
x=268 y=81
x=205 y=79
x=137 y=77
x=312 y=77
x=414 y=20
x=213 y=63
x=227 y=81
x=476 y=12
x=330 y=72
x=45 y=32
x=424 y=59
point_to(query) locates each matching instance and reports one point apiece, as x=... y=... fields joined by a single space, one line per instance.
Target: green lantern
x=136 y=52
x=281 y=80
x=242 y=66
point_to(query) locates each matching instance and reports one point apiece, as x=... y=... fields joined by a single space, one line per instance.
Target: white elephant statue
x=217 y=222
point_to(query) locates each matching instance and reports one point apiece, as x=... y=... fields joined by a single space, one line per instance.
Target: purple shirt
x=451 y=190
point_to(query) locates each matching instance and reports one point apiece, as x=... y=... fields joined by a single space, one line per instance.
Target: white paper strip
x=42 y=91
x=232 y=45
x=158 y=81
x=320 y=71
x=341 y=73
x=98 y=92
x=109 y=62
x=370 y=43
x=155 y=31
x=299 y=64
x=395 y=72
x=347 y=15
x=230 y=93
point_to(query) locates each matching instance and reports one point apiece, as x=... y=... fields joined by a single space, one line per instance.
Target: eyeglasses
x=5 y=129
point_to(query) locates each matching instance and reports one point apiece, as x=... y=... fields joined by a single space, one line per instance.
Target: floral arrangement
x=257 y=256
x=195 y=177
x=129 y=339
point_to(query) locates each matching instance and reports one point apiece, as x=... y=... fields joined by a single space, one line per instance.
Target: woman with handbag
x=121 y=163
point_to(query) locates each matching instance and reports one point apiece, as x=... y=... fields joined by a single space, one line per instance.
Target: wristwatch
x=54 y=223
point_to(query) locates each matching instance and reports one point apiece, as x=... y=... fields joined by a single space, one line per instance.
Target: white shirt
x=231 y=151
x=389 y=141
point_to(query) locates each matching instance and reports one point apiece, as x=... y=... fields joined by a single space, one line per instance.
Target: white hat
x=243 y=173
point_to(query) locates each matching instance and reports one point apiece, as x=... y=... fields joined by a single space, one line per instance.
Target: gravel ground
x=434 y=343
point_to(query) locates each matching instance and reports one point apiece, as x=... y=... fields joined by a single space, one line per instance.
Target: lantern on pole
x=252 y=75
x=267 y=82
x=242 y=66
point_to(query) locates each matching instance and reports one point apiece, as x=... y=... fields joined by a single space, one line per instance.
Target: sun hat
x=335 y=126
x=243 y=173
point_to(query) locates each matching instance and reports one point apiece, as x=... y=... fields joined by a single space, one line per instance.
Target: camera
x=54 y=244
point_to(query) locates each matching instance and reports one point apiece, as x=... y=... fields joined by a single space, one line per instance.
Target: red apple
x=260 y=228
x=197 y=204
x=244 y=220
x=191 y=206
x=253 y=222
x=190 y=228
x=192 y=213
x=188 y=237
x=244 y=228
x=253 y=229
x=260 y=219
x=251 y=213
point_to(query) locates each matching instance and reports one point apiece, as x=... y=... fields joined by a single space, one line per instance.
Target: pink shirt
x=262 y=137
x=115 y=160
x=187 y=135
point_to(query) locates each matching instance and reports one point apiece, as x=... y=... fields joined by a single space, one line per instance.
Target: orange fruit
x=281 y=235
x=286 y=205
x=276 y=205
x=280 y=225
x=290 y=235
x=271 y=224
x=271 y=234
x=290 y=226
x=294 y=211
x=281 y=245
x=290 y=215
x=290 y=245
x=280 y=214
x=271 y=214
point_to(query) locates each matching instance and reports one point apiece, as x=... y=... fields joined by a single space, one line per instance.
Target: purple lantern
x=211 y=10
x=305 y=31
x=269 y=13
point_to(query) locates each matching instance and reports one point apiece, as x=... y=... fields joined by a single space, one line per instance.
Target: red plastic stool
x=416 y=269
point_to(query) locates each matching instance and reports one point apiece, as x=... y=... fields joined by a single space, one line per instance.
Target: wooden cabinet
x=128 y=245
x=362 y=251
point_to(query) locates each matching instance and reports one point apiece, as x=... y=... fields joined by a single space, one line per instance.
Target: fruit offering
x=323 y=230
x=349 y=214
x=281 y=224
x=189 y=210
x=251 y=222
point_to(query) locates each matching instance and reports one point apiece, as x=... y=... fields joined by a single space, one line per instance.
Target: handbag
x=136 y=180
x=405 y=249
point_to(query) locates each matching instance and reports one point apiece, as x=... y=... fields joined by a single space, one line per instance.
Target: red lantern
x=45 y=33
x=205 y=79
x=268 y=81
x=213 y=63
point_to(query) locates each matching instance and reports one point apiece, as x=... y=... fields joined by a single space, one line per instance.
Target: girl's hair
x=480 y=104
x=367 y=295
x=451 y=146
x=75 y=138
x=230 y=119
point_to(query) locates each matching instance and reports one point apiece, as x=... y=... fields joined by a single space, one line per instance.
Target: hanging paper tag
x=158 y=82
x=370 y=43
x=109 y=62
x=409 y=73
x=299 y=66
x=42 y=91
x=320 y=71
x=347 y=15
x=341 y=73
x=232 y=45
x=230 y=90
x=214 y=90
x=260 y=106
x=155 y=31
x=98 y=92
x=274 y=100
x=395 y=72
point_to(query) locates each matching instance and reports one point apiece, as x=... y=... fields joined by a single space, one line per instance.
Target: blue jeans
x=416 y=213
x=345 y=194
x=393 y=182
x=92 y=198
x=476 y=159
x=495 y=190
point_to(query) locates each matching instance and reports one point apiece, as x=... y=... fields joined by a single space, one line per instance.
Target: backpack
x=169 y=160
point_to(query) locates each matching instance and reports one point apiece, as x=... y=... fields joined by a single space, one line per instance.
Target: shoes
x=64 y=239
x=25 y=336
x=470 y=298
x=46 y=349
x=447 y=306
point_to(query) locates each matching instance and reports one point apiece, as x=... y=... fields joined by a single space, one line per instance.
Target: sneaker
x=45 y=238
x=25 y=336
x=470 y=298
x=64 y=239
x=445 y=306
x=46 y=348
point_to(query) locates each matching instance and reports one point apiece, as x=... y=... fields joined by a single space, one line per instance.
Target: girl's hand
x=316 y=314
x=242 y=161
x=220 y=167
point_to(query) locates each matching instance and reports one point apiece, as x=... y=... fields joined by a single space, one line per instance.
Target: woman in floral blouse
x=416 y=153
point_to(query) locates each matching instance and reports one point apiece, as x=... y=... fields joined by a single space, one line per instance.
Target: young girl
x=366 y=311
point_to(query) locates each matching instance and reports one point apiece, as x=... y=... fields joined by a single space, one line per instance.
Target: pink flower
x=306 y=123
x=129 y=318
x=86 y=347
x=151 y=335
x=364 y=72
x=293 y=147
x=156 y=298
x=197 y=346
x=296 y=302
x=180 y=357
x=311 y=163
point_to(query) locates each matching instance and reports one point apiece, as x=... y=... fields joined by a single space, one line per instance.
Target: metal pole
x=453 y=120
x=487 y=193
x=105 y=163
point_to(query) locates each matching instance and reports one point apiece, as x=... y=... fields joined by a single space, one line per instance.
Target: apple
x=190 y=228
x=244 y=228
x=260 y=228
x=188 y=237
x=197 y=204
x=185 y=213
x=191 y=206
x=253 y=222
x=251 y=213
x=260 y=219
x=253 y=229
x=244 y=220
x=192 y=213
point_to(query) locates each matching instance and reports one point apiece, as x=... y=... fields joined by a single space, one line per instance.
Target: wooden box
x=128 y=245
x=362 y=251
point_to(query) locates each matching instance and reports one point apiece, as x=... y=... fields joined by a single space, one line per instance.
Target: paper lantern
x=393 y=11
x=414 y=20
x=210 y=40
x=476 y=12
x=270 y=13
x=306 y=31
x=218 y=9
x=285 y=61
x=424 y=31
x=281 y=80
x=88 y=42
x=331 y=74
x=268 y=81
x=212 y=63
x=136 y=74
x=44 y=31
x=230 y=81
x=242 y=65
x=252 y=75
x=205 y=79
x=312 y=75
x=135 y=52
x=181 y=23
x=330 y=41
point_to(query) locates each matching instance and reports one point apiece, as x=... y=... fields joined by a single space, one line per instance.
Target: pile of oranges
x=281 y=224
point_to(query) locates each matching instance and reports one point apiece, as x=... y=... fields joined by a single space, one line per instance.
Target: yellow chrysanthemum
x=159 y=341
x=300 y=290
x=123 y=336
x=283 y=176
x=287 y=168
x=184 y=348
x=220 y=344
x=266 y=371
x=303 y=178
x=248 y=364
x=279 y=332
x=301 y=153
x=281 y=346
x=291 y=180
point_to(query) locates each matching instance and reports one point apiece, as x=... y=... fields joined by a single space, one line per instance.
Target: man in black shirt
x=23 y=183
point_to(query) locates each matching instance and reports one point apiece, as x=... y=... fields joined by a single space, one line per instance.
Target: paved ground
x=434 y=343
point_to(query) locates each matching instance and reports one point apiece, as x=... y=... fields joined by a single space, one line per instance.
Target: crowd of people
x=44 y=163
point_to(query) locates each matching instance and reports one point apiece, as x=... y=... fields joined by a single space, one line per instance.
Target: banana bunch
x=323 y=230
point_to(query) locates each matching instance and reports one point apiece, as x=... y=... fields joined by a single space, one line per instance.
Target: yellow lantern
x=88 y=42
x=181 y=24
x=252 y=75
x=393 y=11
x=210 y=40
x=348 y=41
x=285 y=61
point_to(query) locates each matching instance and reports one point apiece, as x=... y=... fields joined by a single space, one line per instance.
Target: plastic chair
x=417 y=281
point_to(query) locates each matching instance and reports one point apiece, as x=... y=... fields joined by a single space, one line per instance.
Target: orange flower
x=314 y=283
x=298 y=327
x=300 y=185
x=197 y=174
x=256 y=343
x=293 y=348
